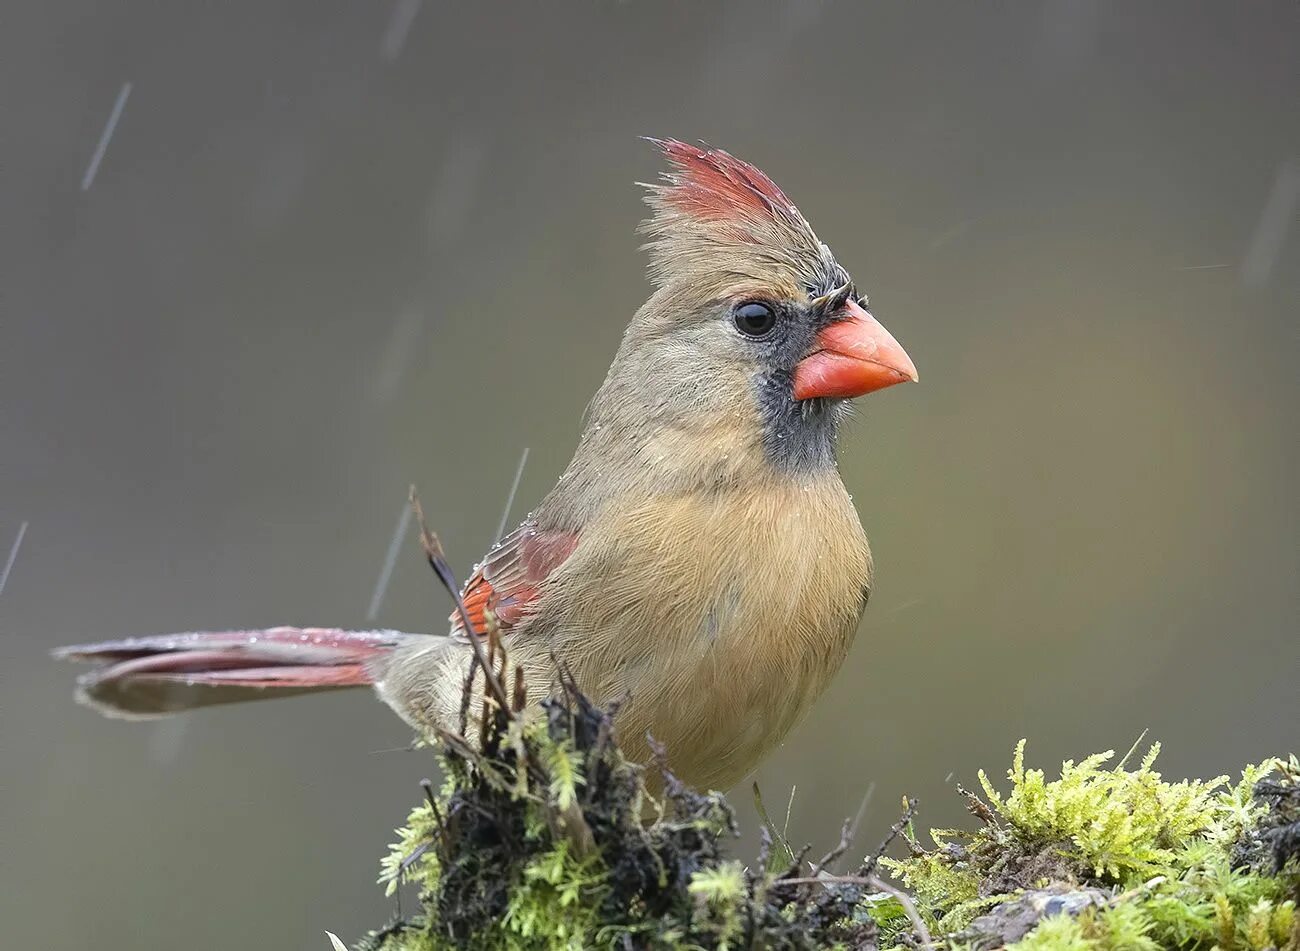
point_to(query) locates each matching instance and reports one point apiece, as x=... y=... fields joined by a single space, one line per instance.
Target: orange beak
x=853 y=356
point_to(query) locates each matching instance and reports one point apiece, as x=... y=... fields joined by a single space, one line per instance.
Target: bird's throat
x=798 y=435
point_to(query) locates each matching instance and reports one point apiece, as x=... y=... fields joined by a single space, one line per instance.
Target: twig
x=423 y=847
x=466 y=695
x=606 y=729
x=438 y=562
x=868 y=867
x=846 y=839
x=433 y=807
x=484 y=767
x=874 y=882
x=494 y=646
x=826 y=880
x=410 y=860
x=427 y=786
x=977 y=807
x=521 y=691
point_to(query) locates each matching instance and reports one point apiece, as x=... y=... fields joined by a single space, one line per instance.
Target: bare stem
x=438 y=562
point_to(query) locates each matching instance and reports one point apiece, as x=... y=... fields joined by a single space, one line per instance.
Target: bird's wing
x=510 y=577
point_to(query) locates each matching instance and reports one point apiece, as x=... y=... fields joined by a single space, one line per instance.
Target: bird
x=699 y=560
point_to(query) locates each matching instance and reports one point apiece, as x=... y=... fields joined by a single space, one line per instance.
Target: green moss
x=1058 y=933
x=1113 y=859
x=947 y=892
x=556 y=904
x=1120 y=823
x=1126 y=927
x=548 y=839
x=722 y=895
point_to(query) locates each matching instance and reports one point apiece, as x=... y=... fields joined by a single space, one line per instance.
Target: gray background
x=332 y=249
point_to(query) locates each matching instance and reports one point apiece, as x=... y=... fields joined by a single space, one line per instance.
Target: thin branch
x=868 y=867
x=411 y=859
x=846 y=839
x=466 y=695
x=438 y=562
x=427 y=786
x=977 y=807
x=521 y=691
x=825 y=880
x=873 y=882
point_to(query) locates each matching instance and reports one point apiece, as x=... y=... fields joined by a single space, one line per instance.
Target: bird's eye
x=754 y=319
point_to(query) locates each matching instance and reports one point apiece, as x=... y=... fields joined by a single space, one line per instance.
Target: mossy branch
x=544 y=837
x=1098 y=859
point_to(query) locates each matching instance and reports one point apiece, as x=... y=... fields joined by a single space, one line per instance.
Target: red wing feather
x=510 y=578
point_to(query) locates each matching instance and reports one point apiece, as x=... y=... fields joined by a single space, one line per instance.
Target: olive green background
x=330 y=251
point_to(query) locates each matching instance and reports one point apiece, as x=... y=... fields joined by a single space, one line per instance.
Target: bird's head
x=750 y=307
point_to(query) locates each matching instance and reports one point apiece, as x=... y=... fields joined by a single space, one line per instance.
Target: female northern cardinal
x=699 y=555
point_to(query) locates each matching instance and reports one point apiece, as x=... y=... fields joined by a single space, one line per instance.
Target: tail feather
x=143 y=677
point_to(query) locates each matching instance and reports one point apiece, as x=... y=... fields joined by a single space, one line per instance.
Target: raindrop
x=1274 y=222
x=399 y=25
x=13 y=556
x=105 y=137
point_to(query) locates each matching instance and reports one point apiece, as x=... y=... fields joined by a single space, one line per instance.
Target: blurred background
x=262 y=265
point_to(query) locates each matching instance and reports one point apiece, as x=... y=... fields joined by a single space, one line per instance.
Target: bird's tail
x=143 y=677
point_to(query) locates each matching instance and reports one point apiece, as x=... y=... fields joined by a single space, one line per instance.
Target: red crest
x=714 y=185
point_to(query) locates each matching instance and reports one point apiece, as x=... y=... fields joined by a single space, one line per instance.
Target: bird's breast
x=721 y=616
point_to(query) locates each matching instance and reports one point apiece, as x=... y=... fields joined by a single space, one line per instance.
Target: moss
x=557 y=901
x=1116 y=822
x=1116 y=859
x=1058 y=933
x=946 y=891
x=722 y=897
x=544 y=837
x=548 y=838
